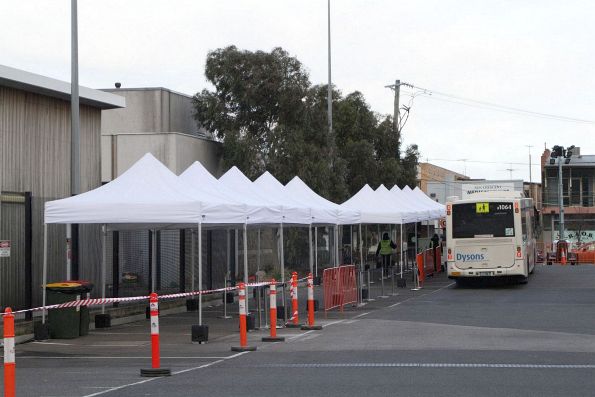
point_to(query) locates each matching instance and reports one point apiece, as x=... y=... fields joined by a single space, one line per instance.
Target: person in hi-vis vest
x=385 y=249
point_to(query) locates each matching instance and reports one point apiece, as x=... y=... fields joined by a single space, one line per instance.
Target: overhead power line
x=442 y=96
x=478 y=161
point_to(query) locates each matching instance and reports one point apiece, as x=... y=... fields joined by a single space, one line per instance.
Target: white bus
x=490 y=234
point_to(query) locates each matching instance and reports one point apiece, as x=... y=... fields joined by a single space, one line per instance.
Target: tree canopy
x=271 y=118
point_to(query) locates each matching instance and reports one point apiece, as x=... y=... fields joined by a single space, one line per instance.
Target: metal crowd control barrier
x=340 y=287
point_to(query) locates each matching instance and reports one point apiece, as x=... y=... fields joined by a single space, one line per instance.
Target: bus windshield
x=482 y=219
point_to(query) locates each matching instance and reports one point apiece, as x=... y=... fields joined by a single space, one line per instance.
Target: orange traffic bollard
x=155 y=369
x=9 y=357
x=563 y=256
x=311 y=325
x=293 y=290
x=273 y=304
x=243 y=329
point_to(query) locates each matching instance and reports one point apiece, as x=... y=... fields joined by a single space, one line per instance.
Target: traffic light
x=569 y=151
x=557 y=151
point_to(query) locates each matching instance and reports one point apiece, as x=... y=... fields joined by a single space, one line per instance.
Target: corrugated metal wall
x=35 y=157
x=12 y=269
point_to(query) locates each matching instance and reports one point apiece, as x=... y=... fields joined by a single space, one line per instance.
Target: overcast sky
x=535 y=55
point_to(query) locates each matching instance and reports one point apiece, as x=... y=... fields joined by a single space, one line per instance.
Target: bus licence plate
x=485 y=273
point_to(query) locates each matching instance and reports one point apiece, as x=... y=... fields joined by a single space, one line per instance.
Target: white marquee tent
x=149 y=196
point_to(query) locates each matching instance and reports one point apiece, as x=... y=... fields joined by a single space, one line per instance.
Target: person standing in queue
x=385 y=249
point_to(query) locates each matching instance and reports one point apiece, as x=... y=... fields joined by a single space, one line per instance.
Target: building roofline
x=146 y=89
x=204 y=138
x=42 y=85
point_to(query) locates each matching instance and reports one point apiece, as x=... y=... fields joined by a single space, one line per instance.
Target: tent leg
x=69 y=251
x=245 y=241
x=199 y=273
x=103 y=265
x=236 y=243
x=153 y=260
x=228 y=257
x=337 y=260
x=192 y=263
x=283 y=277
x=316 y=251
x=310 y=259
x=45 y=269
x=401 y=250
x=351 y=245
x=258 y=251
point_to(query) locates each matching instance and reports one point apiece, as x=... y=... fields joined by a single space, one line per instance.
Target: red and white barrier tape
x=102 y=301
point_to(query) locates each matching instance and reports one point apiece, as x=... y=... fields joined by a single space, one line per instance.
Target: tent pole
x=351 y=245
x=407 y=249
x=361 y=247
x=316 y=251
x=245 y=238
x=283 y=276
x=103 y=265
x=45 y=269
x=401 y=250
x=235 y=253
x=200 y=273
x=154 y=260
x=258 y=252
x=227 y=275
x=337 y=261
x=192 y=263
x=68 y=251
x=415 y=231
x=310 y=259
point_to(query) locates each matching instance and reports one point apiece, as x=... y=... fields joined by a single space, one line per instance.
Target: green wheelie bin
x=72 y=322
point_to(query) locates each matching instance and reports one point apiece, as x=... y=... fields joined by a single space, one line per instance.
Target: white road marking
x=54 y=343
x=432 y=365
x=413 y=297
x=361 y=315
x=116 y=333
x=173 y=373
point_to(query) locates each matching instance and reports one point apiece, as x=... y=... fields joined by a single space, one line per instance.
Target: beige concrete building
x=427 y=172
x=159 y=121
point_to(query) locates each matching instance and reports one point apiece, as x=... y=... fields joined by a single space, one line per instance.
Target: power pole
x=530 y=178
x=75 y=138
x=330 y=89
x=396 y=115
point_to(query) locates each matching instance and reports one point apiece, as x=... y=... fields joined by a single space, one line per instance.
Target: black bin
x=72 y=322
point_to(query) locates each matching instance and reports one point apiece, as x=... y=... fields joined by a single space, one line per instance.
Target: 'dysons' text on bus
x=490 y=234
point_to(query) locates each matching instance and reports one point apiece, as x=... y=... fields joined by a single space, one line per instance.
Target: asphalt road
x=481 y=340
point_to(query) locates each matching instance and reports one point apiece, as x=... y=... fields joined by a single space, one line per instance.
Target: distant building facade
x=440 y=191
x=578 y=197
x=427 y=173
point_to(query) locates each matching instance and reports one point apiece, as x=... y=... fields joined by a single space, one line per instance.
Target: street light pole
x=530 y=177
x=75 y=138
x=330 y=86
x=560 y=199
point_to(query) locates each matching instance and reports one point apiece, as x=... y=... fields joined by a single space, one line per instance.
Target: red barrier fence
x=425 y=263
x=340 y=288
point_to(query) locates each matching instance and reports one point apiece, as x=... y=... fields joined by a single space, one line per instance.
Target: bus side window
x=524 y=224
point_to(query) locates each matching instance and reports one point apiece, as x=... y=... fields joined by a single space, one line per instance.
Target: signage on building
x=576 y=238
x=472 y=188
x=4 y=248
